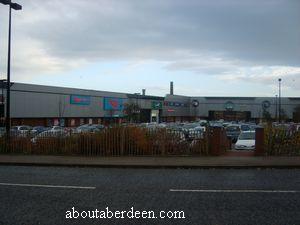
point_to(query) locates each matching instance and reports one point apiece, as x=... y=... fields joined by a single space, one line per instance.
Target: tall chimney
x=144 y=91
x=171 y=88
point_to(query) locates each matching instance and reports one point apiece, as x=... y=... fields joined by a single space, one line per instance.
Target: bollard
x=259 y=142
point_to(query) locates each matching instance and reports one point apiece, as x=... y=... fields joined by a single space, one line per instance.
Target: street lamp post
x=2 y=102
x=276 y=107
x=279 y=100
x=14 y=6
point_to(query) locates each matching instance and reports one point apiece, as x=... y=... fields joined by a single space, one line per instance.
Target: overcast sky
x=208 y=48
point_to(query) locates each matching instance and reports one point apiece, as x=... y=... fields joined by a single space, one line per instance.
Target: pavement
x=44 y=195
x=153 y=162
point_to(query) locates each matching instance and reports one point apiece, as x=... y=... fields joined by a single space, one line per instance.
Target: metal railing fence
x=115 y=141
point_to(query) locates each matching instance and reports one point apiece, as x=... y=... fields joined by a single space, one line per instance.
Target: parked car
x=162 y=125
x=193 y=131
x=21 y=131
x=49 y=134
x=39 y=129
x=89 y=128
x=56 y=128
x=246 y=141
x=98 y=126
x=215 y=124
x=197 y=132
x=245 y=127
x=174 y=126
x=233 y=131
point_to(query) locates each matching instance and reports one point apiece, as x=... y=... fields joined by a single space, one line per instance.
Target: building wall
x=38 y=101
x=150 y=106
x=176 y=110
x=243 y=104
x=254 y=105
x=34 y=101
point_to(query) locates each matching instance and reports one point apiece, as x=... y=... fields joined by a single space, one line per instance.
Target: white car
x=21 y=131
x=49 y=134
x=246 y=141
x=56 y=128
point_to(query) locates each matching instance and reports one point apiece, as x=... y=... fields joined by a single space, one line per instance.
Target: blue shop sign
x=113 y=104
x=80 y=100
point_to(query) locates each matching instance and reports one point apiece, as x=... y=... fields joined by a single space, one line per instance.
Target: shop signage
x=195 y=103
x=80 y=100
x=229 y=106
x=266 y=104
x=114 y=115
x=113 y=104
x=175 y=104
x=156 y=105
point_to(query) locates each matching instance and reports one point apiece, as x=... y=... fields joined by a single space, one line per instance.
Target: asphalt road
x=43 y=195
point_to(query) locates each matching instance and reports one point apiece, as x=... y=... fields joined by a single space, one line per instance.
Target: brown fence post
x=259 y=142
x=215 y=141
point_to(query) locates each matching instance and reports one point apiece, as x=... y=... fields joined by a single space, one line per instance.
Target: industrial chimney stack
x=144 y=91
x=171 y=88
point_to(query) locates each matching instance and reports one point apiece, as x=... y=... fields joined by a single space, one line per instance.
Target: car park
x=190 y=130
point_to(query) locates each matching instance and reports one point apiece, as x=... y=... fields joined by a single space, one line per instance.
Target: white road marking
x=235 y=191
x=46 y=186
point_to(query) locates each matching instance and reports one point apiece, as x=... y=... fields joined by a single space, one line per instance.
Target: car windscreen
x=24 y=128
x=245 y=127
x=232 y=128
x=247 y=136
x=189 y=126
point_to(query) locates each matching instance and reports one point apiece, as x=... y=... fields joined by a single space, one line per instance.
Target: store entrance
x=230 y=115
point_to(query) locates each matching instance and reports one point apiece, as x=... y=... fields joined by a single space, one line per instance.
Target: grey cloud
x=263 y=33
x=189 y=35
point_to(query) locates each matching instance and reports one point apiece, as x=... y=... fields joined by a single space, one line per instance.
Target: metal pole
x=2 y=117
x=8 y=80
x=279 y=98
x=276 y=107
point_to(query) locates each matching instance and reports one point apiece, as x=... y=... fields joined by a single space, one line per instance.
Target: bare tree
x=132 y=111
